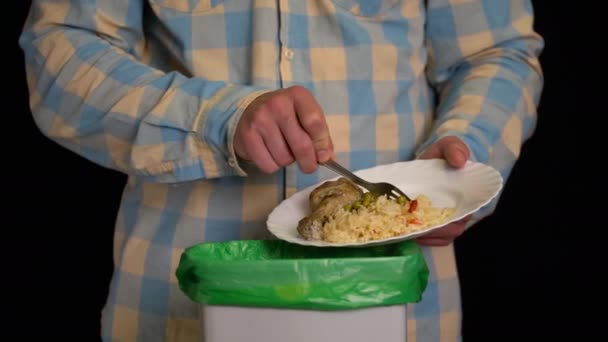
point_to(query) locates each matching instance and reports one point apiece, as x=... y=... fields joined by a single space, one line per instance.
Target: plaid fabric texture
x=155 y=89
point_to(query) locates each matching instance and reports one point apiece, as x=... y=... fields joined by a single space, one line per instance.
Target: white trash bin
x=243 y=324
x=272 y=291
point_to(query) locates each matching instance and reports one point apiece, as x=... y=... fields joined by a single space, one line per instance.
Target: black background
x=531 y=269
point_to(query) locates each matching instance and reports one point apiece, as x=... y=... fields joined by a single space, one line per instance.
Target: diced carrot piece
x=413 y=206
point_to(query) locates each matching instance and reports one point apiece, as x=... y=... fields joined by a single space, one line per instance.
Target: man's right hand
x=281 y=127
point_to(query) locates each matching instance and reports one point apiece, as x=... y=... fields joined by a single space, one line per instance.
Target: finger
x=259 y=154
x=282 y=114
x=455 y=152
x=465 y=219
x=450 y=231
x=434 y=241
x=300 y=145
x=275 y=142
x=433 y=152
x=450 y=148
x=312 y=119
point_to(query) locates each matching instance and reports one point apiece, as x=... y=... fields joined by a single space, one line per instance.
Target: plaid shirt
x=155 y=89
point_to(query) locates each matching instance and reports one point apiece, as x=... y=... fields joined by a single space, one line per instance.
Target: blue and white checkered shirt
x=155 y=88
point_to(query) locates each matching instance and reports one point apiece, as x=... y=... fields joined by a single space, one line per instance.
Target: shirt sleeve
x=483 y=64
x=91 y=93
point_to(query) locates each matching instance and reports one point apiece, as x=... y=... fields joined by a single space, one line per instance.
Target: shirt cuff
x=233 y=159
x=216 y=126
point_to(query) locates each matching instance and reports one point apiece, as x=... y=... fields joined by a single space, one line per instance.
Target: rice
x=383 y=218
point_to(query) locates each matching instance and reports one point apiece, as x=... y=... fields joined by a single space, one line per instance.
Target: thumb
x=452 y=149
x=456 y=153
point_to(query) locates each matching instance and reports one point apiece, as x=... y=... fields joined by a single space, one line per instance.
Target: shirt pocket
x=188 y=6
x=368 y=8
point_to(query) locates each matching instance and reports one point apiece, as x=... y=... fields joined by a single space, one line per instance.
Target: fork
x=376 y=188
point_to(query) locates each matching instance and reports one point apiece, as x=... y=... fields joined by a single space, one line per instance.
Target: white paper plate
x=466 y=190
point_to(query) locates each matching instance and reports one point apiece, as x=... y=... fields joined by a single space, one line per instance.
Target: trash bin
x=274 y=291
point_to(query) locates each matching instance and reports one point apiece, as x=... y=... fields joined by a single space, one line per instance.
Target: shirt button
x=288 y=53
x=232 y=162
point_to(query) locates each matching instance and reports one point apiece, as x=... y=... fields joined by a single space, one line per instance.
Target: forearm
x=490 y=102
x=488 y=84
x=92 y=96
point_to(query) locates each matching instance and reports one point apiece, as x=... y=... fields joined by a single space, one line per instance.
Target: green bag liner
x=278 y=274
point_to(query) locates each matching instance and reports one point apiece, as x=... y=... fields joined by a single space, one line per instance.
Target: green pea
x=367 y=199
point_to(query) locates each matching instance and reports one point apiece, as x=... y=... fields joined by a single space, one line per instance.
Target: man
x=218 y=110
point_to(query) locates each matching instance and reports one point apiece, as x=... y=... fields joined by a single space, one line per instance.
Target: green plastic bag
x=274 y=273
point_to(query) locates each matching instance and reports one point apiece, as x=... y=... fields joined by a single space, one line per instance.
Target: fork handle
x=334 y=166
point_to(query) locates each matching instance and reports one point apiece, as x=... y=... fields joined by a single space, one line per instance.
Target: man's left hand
x=456 y=153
